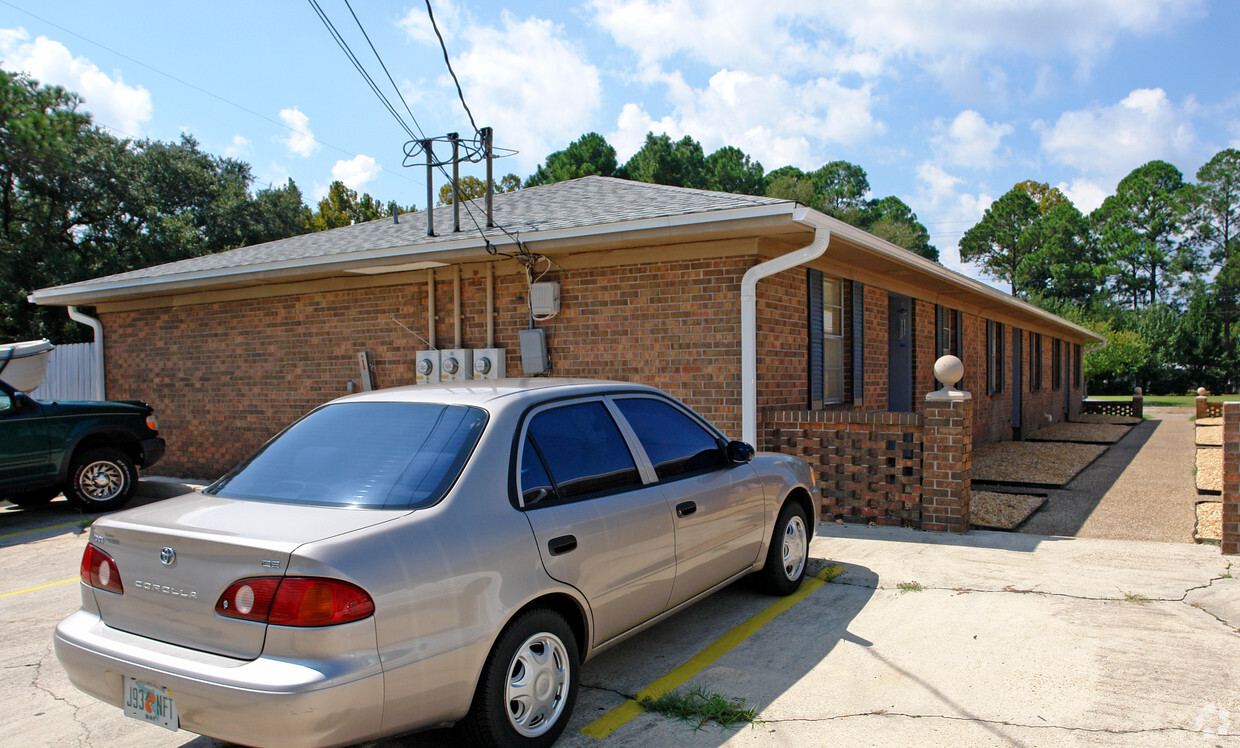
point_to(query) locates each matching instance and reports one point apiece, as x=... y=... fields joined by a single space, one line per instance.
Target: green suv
x=88 y=450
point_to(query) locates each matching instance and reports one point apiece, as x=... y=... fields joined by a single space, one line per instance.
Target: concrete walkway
x=1142 y=488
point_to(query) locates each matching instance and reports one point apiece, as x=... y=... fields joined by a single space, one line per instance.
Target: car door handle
x=685 y=509
x=562 y=544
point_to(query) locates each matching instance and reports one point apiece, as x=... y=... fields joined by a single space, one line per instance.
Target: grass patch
x=910 y=586
x=1136 y=597
x=702 y=708
x=1174 y=401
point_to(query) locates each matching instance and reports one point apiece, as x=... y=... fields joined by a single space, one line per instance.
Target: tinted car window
x=535 y=483
x=378 y=455
x=674 y=442
x=583 y=450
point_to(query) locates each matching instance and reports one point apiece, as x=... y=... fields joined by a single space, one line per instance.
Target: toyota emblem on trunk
x=167 y=556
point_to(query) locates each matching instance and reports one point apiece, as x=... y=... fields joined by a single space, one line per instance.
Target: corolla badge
x=167 y=556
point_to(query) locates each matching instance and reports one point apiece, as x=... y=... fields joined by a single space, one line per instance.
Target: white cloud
x=1107 y=142
x=113 y=103
x=740 y=109
x=969 y=140
x=356 y=172
x=240 y=146
x=530 y=82
x=300 y=140
x=1085 y=194
x=947 y=213
x=866 y=38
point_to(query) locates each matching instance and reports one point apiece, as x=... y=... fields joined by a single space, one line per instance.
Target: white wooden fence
x=70 y=374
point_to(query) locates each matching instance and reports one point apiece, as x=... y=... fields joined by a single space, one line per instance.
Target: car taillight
x=295 y=601
x=151 y=423
x=99 y=570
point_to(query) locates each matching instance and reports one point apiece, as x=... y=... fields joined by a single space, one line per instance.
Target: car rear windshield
x=372 y=455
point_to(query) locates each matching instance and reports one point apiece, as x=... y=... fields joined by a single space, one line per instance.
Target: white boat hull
x=23 y=365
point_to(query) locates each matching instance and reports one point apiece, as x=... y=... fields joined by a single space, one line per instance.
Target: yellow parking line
x=41 y=529
x=15 y=593
x=618 y=717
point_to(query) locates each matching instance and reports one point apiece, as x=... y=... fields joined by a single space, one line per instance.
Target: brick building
x=231 y=347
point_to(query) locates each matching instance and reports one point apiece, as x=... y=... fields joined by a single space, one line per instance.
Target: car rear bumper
x=152 y=450
x=266 y=701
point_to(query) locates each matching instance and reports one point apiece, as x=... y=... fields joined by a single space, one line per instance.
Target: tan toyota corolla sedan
x=410 y=557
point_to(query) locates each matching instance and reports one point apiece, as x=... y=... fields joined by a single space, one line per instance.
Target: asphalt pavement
x=922 y=639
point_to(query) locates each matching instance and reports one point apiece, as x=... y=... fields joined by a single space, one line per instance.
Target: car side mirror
x=740 y=452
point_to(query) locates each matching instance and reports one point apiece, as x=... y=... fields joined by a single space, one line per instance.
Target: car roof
x=496 y=394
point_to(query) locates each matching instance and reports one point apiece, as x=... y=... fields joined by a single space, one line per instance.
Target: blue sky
x=946 y=104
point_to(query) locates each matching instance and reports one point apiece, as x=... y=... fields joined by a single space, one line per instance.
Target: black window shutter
x=814 y=343
x=858 y=343
x=990 y=357
x=957 y=333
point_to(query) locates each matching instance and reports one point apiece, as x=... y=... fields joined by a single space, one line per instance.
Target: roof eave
x=438 y=254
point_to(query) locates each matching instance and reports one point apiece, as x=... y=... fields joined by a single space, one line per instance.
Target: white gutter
x=97 y=387
x=749 y=320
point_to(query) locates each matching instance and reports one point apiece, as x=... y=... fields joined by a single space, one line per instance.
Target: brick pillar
x=1138 y=406
x=1231 y=478
x=1201 y=407
x=947 y=461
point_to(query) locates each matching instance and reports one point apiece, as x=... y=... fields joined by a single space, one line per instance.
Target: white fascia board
x=84 y=293
x=919 y=263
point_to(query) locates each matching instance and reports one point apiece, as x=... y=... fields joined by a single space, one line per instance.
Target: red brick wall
x=225 y=376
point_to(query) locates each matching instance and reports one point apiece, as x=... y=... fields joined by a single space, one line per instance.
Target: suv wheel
x=101 y=480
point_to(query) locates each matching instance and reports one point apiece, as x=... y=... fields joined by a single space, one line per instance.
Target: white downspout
x=749 y=322
x=94 y=324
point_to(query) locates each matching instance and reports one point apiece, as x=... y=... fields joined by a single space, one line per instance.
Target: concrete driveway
x=923 y=639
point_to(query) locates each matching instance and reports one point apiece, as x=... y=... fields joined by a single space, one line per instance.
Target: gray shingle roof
x=579 y=203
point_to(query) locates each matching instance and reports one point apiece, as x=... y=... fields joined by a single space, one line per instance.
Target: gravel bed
x=1210 y=470
x=1209 y=521
x=1044 y=463
x=1101 y=418
x=1209 y=436
x=1098 y=433
x=1209 y=421
x=1003 y=511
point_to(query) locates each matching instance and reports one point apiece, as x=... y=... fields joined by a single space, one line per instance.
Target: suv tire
x=101 y=480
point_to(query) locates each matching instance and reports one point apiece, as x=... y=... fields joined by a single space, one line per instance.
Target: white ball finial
x=1137 y=392
x=1201 y=391
x=948 y=370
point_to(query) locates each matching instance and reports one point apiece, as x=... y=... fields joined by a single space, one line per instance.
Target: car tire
x=101 y=480
x=528 y=686
x=788 y=555
x=36 y=497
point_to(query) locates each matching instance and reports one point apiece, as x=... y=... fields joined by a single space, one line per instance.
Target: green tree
x=342 y=207
x=1063 y=262
x=473 y=188
x=842 y=188
x=729 y=169
x=589 y=155
x=661 y=160
x=1138 y=229
x=892 y=219
x=1046 y=196
x=790 y=183
x=1213 y=223
x=998 y=243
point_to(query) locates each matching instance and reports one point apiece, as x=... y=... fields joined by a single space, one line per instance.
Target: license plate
x=150 y=703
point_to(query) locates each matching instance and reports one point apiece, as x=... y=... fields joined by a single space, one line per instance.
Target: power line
x=385 y=70
x=344 y=46
x=460 y=94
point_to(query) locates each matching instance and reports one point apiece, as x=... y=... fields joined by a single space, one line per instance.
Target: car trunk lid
x=176 y=557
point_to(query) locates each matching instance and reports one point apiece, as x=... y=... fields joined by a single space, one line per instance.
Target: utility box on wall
x=545 y=299
x=456 y=365
x=489 y=363
x=426 y=366
x=534 y=353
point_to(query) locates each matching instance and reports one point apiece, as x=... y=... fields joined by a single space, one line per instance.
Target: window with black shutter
x=1035 y=361
x=994 y=357
x=825 y=346
x=1056 y=364
x=947 y=332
